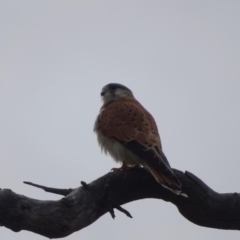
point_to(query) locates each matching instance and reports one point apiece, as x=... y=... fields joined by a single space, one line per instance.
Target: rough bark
x=83 y=205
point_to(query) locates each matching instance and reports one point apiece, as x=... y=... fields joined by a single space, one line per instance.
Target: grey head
x=115 y=91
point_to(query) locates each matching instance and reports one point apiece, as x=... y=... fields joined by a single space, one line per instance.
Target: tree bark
x=83 y=205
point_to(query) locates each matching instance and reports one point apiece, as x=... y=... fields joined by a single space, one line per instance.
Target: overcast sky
x=181 y=60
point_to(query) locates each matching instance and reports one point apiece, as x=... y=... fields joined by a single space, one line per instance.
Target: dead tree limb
x=83 y=205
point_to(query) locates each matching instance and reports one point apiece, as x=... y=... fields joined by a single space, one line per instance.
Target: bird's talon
x=117 y=169
x=124 y=168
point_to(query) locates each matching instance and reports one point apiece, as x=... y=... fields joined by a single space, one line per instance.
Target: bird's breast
x=117 y=149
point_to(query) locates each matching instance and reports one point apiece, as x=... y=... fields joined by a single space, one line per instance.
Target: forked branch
x=83 y=205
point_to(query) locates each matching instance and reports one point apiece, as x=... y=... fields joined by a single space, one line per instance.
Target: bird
x=128 y=132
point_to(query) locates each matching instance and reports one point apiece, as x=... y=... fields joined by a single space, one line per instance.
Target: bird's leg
x=124 y=167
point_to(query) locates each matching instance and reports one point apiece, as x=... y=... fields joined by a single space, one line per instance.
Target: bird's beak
x=102 y=94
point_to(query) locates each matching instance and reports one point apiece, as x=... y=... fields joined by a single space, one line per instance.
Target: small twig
x=84 y=184
x=119 y=208
x=63 y=192
x=111 y=211
x=110 y=204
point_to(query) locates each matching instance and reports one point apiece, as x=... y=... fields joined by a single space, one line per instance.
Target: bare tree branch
x=85 y=204
x=63 y=192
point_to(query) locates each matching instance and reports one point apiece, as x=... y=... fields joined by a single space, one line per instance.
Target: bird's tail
x=166 y=177
x=157 y=163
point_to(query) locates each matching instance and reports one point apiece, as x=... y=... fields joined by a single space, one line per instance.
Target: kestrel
x=128 y=132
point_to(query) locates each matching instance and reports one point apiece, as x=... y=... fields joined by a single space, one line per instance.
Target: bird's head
x=115 y=91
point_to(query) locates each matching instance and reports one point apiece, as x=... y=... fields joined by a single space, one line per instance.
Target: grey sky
x=180 y=58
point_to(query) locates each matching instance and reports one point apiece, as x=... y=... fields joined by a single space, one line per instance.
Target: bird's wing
x=157 y=163
x=127 y=120
x=132 y=125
